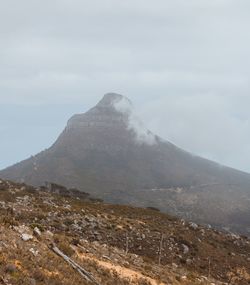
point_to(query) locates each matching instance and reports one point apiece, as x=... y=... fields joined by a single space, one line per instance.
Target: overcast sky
x=184 y=64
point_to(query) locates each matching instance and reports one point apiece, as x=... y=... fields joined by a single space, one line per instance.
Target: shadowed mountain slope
x=109 y=153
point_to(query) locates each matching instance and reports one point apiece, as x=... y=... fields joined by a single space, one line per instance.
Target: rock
x=193 y=226
x=10 y=268
x=21 y=229
x=37 y=232
x=183 y=222
x=32 y=281
x=185 y=248
x=202 y=232
x=234 y=236
x=174 y=265
x=26 y=237
x=33 y=251
x=49 y=234
x=68 y=207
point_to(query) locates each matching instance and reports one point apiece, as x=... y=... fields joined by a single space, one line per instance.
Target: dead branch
x=85 y=274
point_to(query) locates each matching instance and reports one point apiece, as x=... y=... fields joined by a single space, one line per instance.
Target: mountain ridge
x=108 y=153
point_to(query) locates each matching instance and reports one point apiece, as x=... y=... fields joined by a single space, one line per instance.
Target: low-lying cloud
x=142 y=134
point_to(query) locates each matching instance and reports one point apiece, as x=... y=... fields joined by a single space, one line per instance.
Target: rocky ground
x=69 y=238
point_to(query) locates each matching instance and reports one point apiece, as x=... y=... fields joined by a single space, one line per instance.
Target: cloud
x=142 y=134
x=211 y=125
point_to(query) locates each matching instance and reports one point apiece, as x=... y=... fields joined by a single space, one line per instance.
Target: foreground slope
x=112 y=244
x=109 y=153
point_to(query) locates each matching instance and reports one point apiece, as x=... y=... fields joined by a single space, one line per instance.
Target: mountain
x=47 y=238
x=109 y=153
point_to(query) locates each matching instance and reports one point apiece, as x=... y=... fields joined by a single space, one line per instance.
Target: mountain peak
x=111 y=99
x=111 y=96
x=108 y=152
x=115 y=112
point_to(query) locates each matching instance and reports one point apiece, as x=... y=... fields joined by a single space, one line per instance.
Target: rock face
x=109 y=153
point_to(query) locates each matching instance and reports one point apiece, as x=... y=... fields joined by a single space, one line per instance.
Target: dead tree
x=85 y=274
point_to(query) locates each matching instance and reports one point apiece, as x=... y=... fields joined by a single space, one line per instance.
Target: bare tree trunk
x=85 y=274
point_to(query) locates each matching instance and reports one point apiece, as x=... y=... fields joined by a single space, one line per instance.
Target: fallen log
x=84 y=273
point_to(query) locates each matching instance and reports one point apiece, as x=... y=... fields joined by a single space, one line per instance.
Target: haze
x=184 y=65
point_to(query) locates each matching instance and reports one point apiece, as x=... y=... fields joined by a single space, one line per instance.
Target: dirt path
x=124 y=273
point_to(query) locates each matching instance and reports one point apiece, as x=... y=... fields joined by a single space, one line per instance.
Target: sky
x=184 y=64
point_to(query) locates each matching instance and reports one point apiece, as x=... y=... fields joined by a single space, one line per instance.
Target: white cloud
x=210 y=125
x=142 y=134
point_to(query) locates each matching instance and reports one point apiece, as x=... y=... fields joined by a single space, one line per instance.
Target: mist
x=134 y=123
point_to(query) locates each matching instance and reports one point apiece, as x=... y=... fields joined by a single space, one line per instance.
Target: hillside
x=108 y=153
x=113 y=244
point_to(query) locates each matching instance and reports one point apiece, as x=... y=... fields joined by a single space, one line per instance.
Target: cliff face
x=109 y=153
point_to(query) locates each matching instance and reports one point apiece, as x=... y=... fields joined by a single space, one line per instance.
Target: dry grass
x=96 y=235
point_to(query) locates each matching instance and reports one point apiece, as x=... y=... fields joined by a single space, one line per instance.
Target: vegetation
x=115 y=244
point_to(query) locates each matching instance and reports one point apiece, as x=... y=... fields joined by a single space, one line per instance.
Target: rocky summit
x=109 y=153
